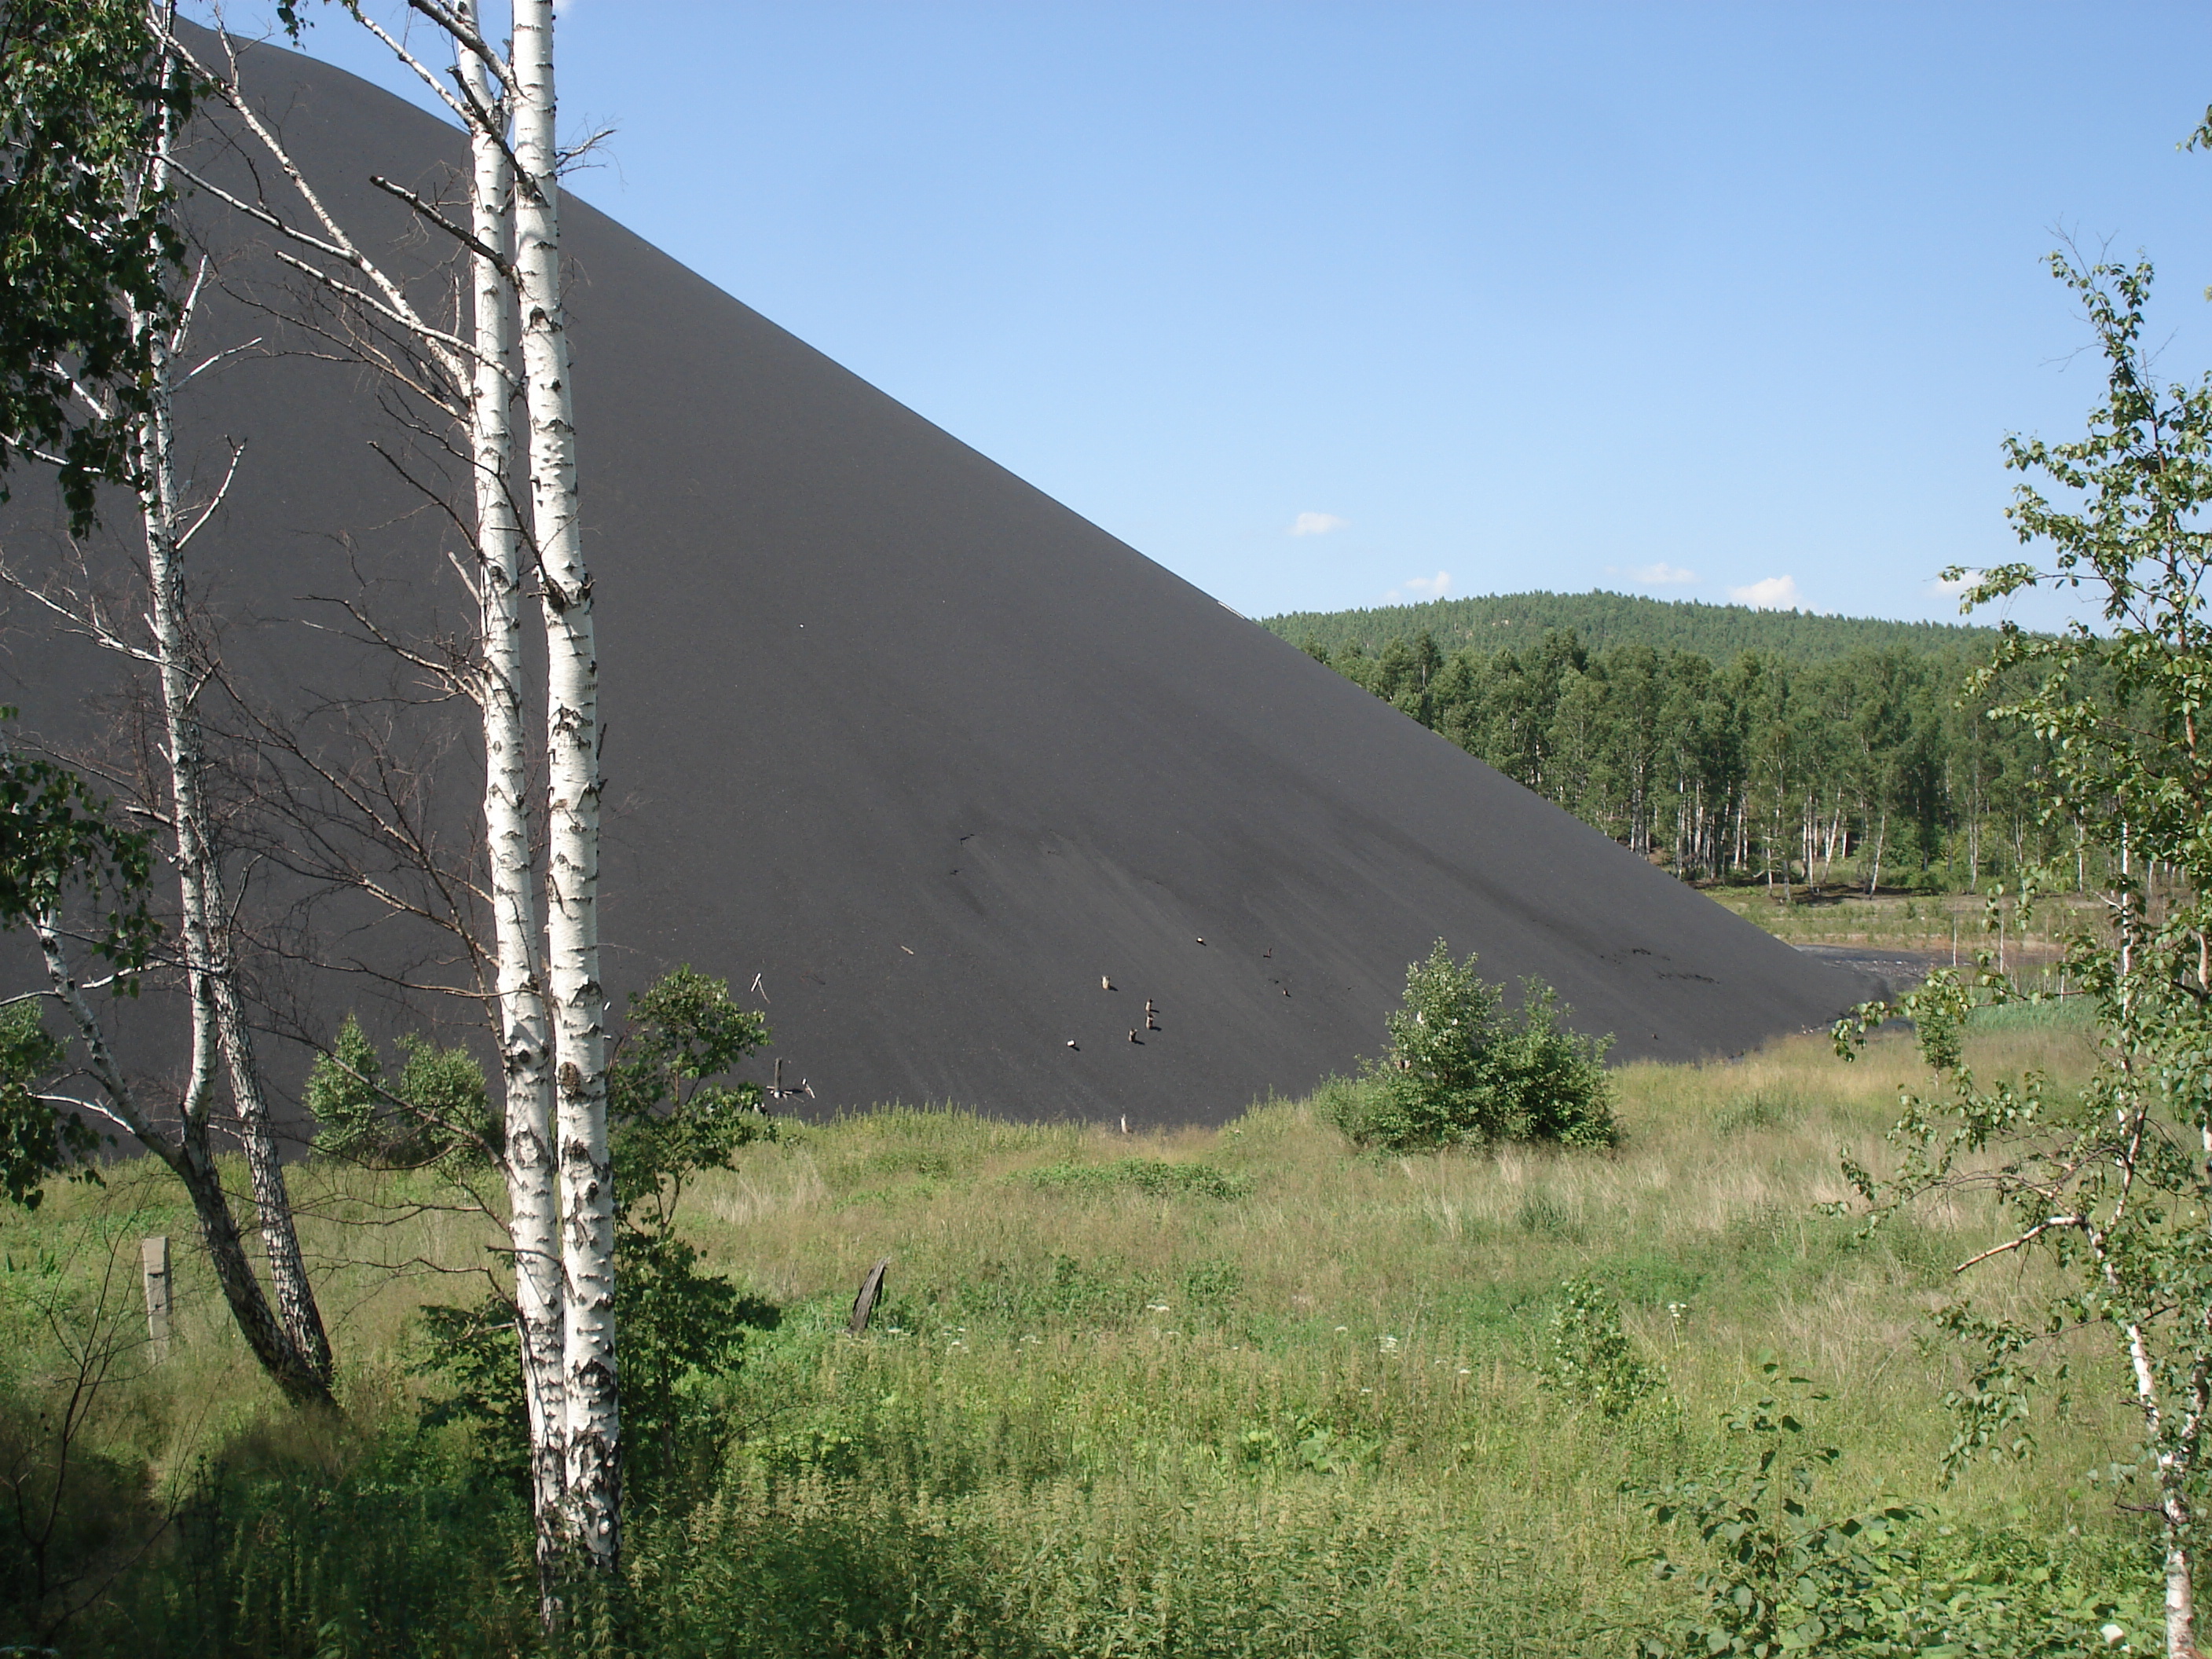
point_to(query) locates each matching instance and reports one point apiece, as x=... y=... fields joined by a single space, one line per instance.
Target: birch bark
x=576 y=1001
x=192 y=1160
x=533 y=1200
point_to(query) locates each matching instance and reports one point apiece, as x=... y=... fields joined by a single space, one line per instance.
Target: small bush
x=1749 y=1114
x=1545 y=1216
x=438 y=1108
x=1781 y=1575
x=1147 y=1175
x=1460 y=1070
x=1592 y=1361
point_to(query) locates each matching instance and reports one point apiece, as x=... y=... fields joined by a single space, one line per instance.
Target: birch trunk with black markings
x=577 y=1002
x=533 y=1197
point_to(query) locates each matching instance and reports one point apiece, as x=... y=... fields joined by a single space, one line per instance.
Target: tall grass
x=1935 y=923
x=1281 y=1399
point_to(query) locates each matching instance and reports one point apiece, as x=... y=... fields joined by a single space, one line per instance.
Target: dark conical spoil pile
x=920 y=761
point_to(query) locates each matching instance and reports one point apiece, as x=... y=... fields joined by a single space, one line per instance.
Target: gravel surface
x=917 y=758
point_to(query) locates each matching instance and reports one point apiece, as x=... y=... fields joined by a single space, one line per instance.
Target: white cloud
x=1416 y=589
x=1774 y=593
x=1952 y=588
x=1316 y=524
x=1662 y=574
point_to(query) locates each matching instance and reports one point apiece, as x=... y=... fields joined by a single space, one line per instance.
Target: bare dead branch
x=466 y=238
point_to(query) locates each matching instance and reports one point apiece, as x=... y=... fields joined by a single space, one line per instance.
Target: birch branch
x=215 y=502
x=340 y=246
x=465 y=238
x=228 y=352
x=431 y=334
x=2022 y=1242
x=466 y=33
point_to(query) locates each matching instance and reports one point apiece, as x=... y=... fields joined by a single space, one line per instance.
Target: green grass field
x=1283 y=1403
x=1934 y=925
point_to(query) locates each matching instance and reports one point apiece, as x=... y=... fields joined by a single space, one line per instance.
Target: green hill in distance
x=1603 y=620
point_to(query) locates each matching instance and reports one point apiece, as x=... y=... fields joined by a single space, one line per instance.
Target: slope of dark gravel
x=921 y=760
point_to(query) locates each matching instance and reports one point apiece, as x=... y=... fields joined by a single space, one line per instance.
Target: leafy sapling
x=1459 y=1071
x=67 y=871
x=2110 y=1185
x=673 y=1111
x=437 y=1110
x=1782 y=1577
x=1592 y=1361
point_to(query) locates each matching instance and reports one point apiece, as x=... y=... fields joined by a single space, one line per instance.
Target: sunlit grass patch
x=1244 y=1390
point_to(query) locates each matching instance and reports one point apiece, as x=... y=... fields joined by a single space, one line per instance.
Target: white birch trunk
x=2180 y=1589
x=577 y=1003
x=2173 y=1465
x=533 y=1198
x=210 y=965
x=190 y=1158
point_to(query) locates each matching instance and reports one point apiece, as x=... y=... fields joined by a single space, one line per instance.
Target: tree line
x=1491 y=622
x=1869 y=767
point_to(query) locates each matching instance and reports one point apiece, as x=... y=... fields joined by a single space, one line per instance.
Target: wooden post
x=871 y=1288
x=154 y=1254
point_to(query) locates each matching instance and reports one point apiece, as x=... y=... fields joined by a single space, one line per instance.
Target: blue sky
x=1325 y=305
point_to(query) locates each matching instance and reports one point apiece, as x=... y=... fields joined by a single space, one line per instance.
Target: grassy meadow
x=1276 y=1397
x=1925 y=924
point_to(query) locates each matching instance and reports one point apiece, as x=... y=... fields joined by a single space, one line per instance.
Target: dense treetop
x=1602 y=621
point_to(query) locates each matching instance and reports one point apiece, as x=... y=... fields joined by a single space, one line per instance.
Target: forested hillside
x=1786 y=749
x=1602 y=621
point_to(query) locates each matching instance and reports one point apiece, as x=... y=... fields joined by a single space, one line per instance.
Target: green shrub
x=1147 y=1175
x=1592 y=1362
x=1460 y=1070
x=437 y=1109
x=1782 y=1577
x=1749 y=1114
x=669 y=1116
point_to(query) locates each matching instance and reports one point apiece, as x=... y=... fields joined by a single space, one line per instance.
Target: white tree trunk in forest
x=577 y=1003
x=1974 y=828
x=533 y=1197
x=204 y=909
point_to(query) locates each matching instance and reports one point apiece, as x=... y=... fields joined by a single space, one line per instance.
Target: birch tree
x=543 y=984
x=134 y=399
x=2113 y=1187
x=572 y=743
x=526 y=1054
x=551 y=1006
